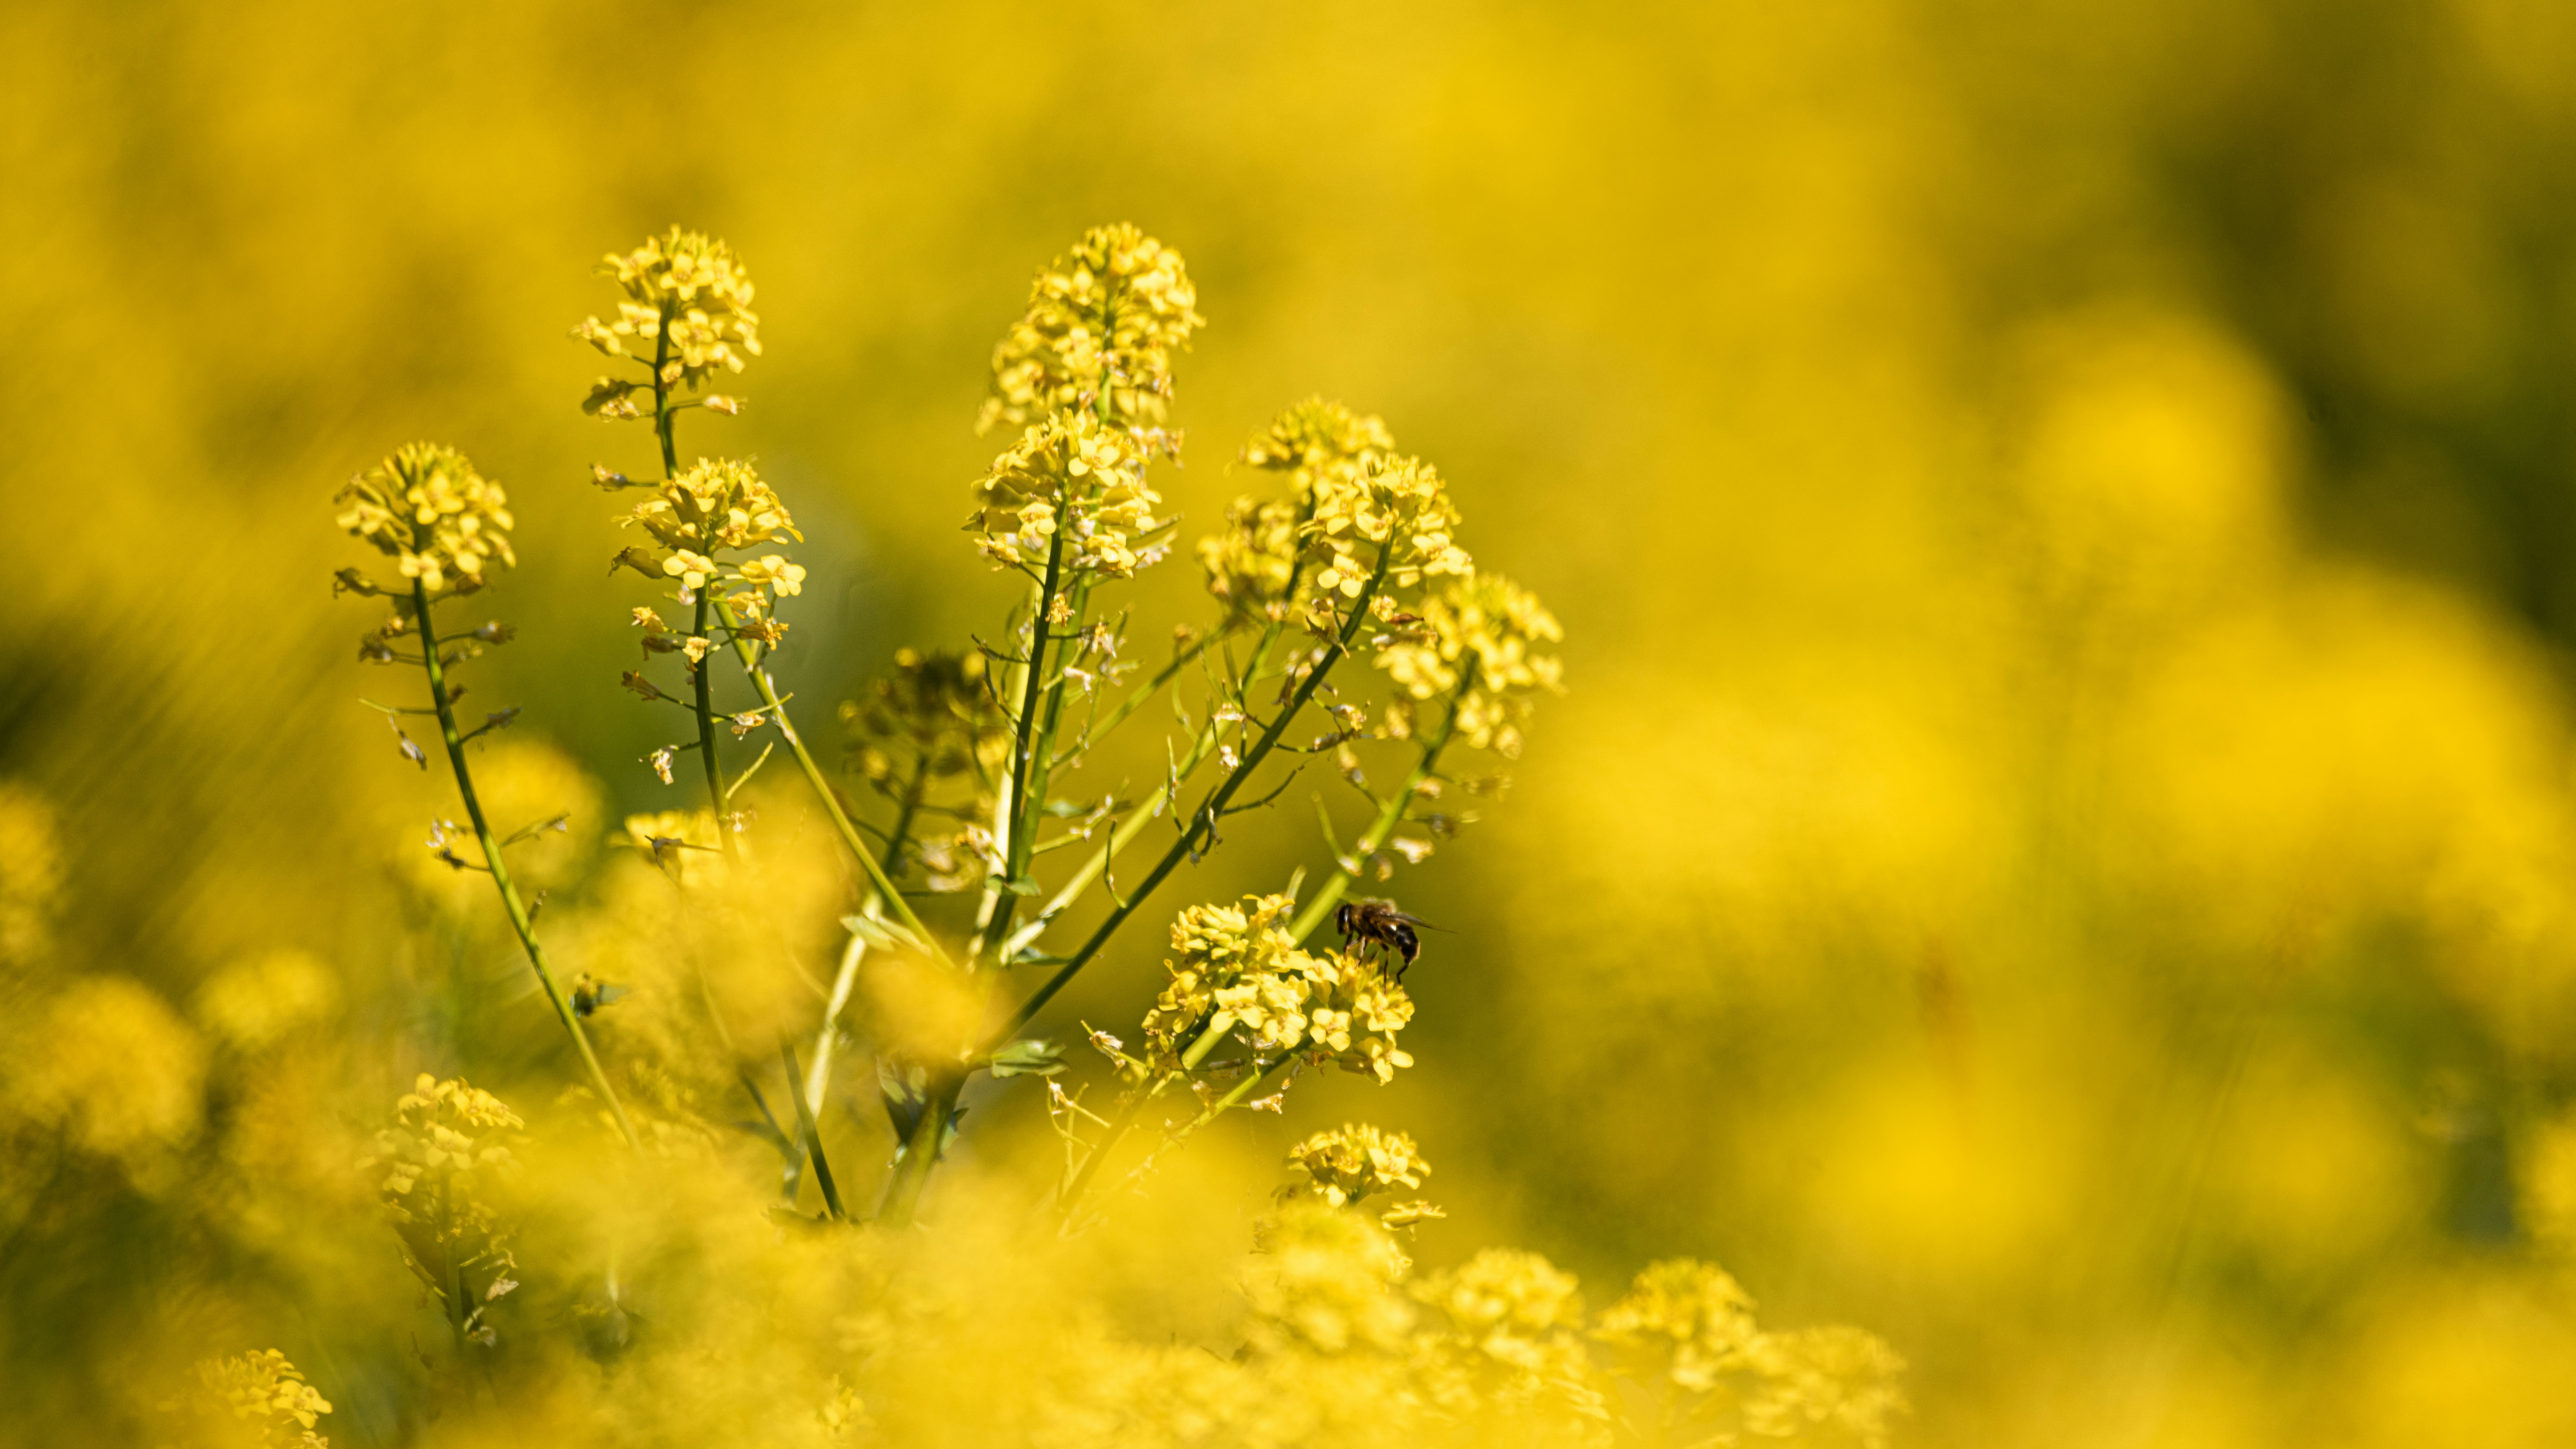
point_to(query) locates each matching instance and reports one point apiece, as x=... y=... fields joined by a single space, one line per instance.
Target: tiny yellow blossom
x=1352 y=1162
x=1240 y=969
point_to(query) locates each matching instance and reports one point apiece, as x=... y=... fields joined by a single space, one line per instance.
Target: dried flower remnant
x=267 y=1397
x=450 y=1143
x=443 y=523
x=1102 y=323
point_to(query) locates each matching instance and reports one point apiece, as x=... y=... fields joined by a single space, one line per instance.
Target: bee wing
x=1418 y=921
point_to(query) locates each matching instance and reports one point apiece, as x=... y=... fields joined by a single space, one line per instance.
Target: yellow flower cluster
x=448 y=1142
x=1102 y=323
x=1251 y=563
x=1356 y=509
x=1327 y=1283
x=939 y=706
x=269 y=1395
x=444 y=523
x=719 y=506
x=1075 y=475
x=1240 y=969
x=1485 y=631
x=1510 y=1336
x=1691 y=1324
x=1352 y=1162
x=1400 y=510
x=687 y=312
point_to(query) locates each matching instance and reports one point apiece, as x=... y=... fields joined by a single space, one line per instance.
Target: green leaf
x=1026 y=885
x=1030 y=1058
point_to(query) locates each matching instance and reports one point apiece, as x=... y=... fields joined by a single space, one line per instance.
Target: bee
x=588 y=996
x=1379 y=923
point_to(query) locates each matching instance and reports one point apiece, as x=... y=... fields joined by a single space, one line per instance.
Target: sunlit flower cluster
x=1353 y=1162
x=1107 y=315
x=267 y=1397
x=1508 y=1333
x=1690 y=1324
x=1316 y=439
x=687 y=312
x=1487 y=632
x=1390 y=519
x=719 y=506
x=1240 y=969
x=1075 y=475
x=443 y=523
x=449 y=1143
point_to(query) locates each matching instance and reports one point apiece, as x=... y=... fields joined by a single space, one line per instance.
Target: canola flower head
x=1102 y=323
x=1240 y=969
x=1483 y=631
x=449 y=1142
x=687 y=309
x=268 y=1396
x=1352 y=1162
x=1074 y=476
x=1391 y=514
x=1692 y=1316
x=719 y=506
x=444 y=524
x=1316 y=437
x=1691 y=1324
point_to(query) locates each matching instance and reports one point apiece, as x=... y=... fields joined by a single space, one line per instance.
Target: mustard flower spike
x=688 y=303
x=1105 y=317
x=1074 y=474
x=270 y=1393
x=1488 y=622
x=445 y=524
x=1240 y=970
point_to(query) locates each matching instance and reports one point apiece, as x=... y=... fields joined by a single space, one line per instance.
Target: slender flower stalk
x=500 y=868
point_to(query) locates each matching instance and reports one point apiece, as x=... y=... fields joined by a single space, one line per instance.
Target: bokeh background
x=2059 y=847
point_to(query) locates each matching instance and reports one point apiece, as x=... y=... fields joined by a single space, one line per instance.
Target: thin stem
x=1136 y=701
x=705 y=710
x=501 y=875
x=810 y=1135
x=1071 y=1196
x=1204 y=821
x=1320 y=909
x=823 y=791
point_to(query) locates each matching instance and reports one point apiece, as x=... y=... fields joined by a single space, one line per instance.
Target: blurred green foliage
x=2060 y=847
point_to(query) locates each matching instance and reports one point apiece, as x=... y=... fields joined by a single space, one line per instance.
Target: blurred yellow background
x=2059 y=847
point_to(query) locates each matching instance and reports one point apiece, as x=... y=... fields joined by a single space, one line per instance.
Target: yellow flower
x=1487 y=632
x=1102 y=322
x=443 y=523
x=1074 y=474
x=448 y=1143
x=1352 y=1162
x=687 y=312
x=719 y=506
x=269 y=1392
x=1240 y=969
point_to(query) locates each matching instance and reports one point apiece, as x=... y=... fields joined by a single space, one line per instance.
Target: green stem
x=1389 y=815
x=812 y=1135
x=1071 y=1196
x=1204 y=821
x=823 y=791
x=501 y=871
x=706 y=712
